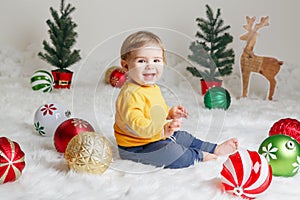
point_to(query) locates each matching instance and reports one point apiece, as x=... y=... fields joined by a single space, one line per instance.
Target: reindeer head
x=252 y=31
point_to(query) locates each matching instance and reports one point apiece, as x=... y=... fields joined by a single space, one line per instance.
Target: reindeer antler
x=250 y=22
x=250 y=36
x=264 y=21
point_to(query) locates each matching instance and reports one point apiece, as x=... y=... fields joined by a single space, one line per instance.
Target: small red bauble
x=12 y=160
x=118 y=77
x=67 y=130
x=108 y=73
x=287 y=126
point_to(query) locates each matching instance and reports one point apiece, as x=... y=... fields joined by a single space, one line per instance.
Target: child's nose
x=149 y=66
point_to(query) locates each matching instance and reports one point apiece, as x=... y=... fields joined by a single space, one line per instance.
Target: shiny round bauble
x=12 y=160
x=286 y=126
x=217 y=98
x=118 y=77
x=48 y=116
x=67 y=130
x=246 y=174
x=89 y=152
x=42 y=80
x=283 y=154
x=108 y=73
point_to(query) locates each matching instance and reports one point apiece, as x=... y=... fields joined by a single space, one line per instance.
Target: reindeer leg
x=245 y=77
x=272 y=88
x=270 y=67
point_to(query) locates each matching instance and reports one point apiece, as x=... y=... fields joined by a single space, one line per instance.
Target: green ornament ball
x=282 y=153
x=42 y=80
x=217 y=98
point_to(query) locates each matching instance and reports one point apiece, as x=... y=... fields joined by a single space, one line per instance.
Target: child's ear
x=124 y=65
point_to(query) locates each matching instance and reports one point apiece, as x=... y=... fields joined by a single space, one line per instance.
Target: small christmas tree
x=210 y=52
x=63 y=38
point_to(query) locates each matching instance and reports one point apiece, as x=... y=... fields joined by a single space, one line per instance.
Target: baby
x=146 y=129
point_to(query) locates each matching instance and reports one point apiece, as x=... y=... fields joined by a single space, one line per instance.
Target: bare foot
x=227 y=147
x=209 y=156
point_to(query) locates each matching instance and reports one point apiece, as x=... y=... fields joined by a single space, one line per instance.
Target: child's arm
x=177 y=112
x=136 y=120
x=146 y=127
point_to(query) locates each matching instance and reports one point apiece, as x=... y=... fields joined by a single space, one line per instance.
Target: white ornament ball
x=48 y=117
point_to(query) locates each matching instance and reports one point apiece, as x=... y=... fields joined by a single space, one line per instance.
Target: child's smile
x=149 y=76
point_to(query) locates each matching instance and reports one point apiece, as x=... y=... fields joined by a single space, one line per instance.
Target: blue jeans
x=179 y=151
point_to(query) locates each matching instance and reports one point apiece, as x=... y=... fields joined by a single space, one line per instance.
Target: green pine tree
x=63 y=38
x=210 y=51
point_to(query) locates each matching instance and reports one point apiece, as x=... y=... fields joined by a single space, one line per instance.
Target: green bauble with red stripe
x=42 y=80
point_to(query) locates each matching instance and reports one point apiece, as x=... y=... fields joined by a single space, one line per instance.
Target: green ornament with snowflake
x=282 y=153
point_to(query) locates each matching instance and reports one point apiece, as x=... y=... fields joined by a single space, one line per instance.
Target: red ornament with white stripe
x=12 y=160
x=246 y=174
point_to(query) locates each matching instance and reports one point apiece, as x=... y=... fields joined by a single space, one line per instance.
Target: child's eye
x=157 y=60
x=141 y=61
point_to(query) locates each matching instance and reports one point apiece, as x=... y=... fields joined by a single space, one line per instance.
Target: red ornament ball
x=12 y=160
x=287 y=126
x=108 y=73
x=118 y=77
x=67 y=130
x=246 y=174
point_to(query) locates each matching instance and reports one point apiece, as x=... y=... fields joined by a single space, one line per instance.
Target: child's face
x=145 y=65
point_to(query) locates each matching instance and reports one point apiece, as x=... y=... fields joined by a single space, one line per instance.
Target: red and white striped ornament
x=246 y=174
x=12 y=160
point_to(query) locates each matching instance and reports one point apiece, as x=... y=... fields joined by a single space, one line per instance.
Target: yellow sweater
x=141 y=113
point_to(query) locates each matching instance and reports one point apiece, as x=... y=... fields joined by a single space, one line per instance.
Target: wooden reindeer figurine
x=250 y=62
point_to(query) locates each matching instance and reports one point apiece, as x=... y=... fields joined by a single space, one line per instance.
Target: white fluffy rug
x=46 y=175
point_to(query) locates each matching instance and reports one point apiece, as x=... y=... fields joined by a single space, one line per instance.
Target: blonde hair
x=140 y=39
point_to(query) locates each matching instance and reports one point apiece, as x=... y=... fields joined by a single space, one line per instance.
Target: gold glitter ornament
x=88 y=152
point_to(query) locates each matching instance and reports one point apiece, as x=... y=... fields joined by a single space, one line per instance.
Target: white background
x=23 y=23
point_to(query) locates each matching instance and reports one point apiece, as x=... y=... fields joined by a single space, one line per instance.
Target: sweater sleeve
x=140 y=123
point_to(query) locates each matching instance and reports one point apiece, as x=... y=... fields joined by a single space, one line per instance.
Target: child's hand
x=177 y=112
x=171 y=127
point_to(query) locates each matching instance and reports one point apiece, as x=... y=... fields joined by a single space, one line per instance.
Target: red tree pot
x=206 y=85
x=62 y=79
